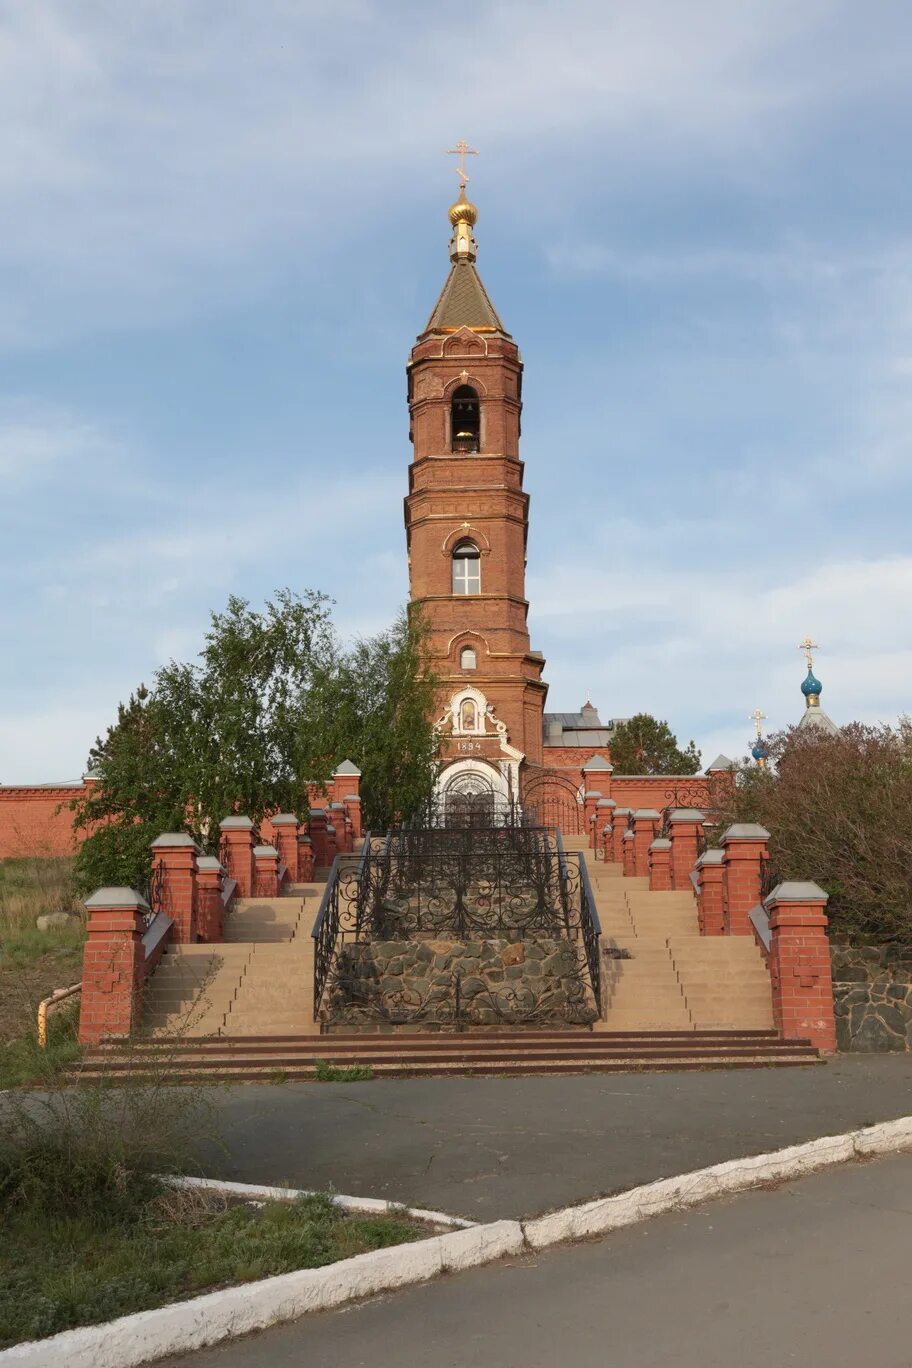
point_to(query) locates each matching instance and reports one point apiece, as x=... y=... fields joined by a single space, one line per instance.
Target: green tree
x=643 y=745
x=272 y=704
x=839 y=813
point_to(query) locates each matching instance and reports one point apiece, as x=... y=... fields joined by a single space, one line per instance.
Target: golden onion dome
x=463 y=211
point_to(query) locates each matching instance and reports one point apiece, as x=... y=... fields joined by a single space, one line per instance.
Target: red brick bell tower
x=467 y=521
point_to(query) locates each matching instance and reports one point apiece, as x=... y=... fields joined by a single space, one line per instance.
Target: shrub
x=839 y=812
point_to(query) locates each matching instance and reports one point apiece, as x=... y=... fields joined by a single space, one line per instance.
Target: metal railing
x=341 y=913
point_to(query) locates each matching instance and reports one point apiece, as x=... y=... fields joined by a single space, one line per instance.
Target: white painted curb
x=736 y=1175
x=188 y=1325
x=367 y=1206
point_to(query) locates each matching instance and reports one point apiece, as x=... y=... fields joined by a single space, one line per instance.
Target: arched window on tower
x=466 y=569
x=468 y=660
x=465 y=419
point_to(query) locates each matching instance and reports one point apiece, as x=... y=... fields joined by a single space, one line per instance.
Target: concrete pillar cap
x=646 y=812
x=606 y=802
x=174 y=840
x=628 y=835
x=117 y=897
x=264 y=850
x=746 y=831
x=593 y=793
x=797 y=892
x=304 y=839
x=208 y=862
x=686 y=815
x=284 y=819
x=711 y=857
x=236 y=824
x=661 y=843
x=351 y=798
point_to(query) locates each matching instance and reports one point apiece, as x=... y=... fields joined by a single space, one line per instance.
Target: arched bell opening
x=465 y=420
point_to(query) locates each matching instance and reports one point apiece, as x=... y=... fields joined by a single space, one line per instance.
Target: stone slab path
x=815 y=1272
x=486 y=1148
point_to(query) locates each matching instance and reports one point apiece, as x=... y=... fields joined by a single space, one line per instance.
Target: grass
x=33 y=963
x=63 y=1269
x=341 y=1073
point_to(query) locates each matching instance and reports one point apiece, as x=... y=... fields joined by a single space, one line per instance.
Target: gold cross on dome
x=807 y=646
x=462 y=150
x=757 y=717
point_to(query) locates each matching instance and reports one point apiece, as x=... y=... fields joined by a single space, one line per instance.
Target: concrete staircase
x=259 y=979
x=675 y=979
x=242 y=1011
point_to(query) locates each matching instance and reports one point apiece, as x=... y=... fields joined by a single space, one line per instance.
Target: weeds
x=325 y=1072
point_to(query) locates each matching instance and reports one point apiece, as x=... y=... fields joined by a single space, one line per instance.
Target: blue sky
x=223 y=226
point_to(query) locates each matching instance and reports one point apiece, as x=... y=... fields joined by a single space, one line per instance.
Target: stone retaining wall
x=872 y=991
x=385 y=985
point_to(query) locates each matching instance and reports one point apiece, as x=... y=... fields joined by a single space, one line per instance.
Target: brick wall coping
x=606 y=802
x=209 y=862
x=174 y=840
x=796 y=891
x=646 y=812
x=265 y=850
x=686 y=815
x=663 y=778
x=51 y=784
x=116 y=897
x=661 y=843
x=236 y=824
x=745 y=831
x=711 y=857
x=284 y=819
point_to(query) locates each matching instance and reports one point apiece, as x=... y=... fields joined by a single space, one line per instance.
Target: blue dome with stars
x=811 y=687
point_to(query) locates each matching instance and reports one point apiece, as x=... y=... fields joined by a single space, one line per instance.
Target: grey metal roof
x=464 y=302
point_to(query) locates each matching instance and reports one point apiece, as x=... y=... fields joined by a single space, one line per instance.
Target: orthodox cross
x=807 y=646
x=462 y=150
x=757 y=717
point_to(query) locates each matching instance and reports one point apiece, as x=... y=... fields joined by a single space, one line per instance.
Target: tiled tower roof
x=464 y=303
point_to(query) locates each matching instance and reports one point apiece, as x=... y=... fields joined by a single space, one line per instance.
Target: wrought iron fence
x=458 y=884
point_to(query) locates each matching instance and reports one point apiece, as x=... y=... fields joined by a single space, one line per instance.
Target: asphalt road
x=485 y=1148
x=813 y=1273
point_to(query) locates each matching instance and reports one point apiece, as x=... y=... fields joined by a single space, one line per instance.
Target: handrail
x=584 y=874
x=59 y=995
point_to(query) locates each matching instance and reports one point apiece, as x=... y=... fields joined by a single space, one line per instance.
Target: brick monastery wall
x=37 y=821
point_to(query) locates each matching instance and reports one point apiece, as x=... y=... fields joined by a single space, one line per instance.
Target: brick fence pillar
x=339 y=819
x=237 y=844
x=744 y=847
x=332 y=844
x=317 y=827
x=305 y=859
x=266 y=871
x=353 y=810
x=346 y=779
x=590 y=804
x=686 y=830
x=646 y=823
x=604 y=811
x=285 y=835
x=174 y=858
x=628 y=852
x=659 y=854
x=113 y=964
x=210 y=907
x=799 y=963
x=597 y=774
x=619 y=825
x=711 y=899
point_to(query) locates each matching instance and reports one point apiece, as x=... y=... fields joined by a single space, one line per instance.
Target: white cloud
x=153 y=148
